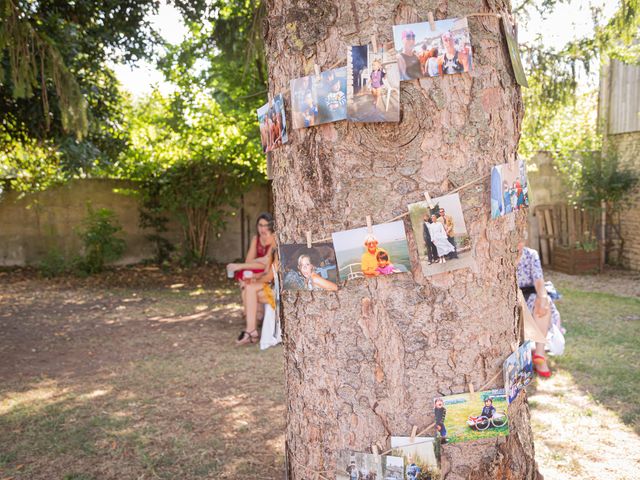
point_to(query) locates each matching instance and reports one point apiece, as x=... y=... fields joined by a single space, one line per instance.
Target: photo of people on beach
x=421 y=456
x=273 y=124
x=374 y=92
x=367 y=466
x=309 y=269
x=441 y=235
x=509 y=188
x=518 y=370
x=514 y=53
x=383 y=251
x=319 y=99
x=423 y=52
x=471 y=416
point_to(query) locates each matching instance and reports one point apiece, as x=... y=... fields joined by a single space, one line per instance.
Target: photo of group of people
x=423 y=52
x=421 y=457
x=367 y=466
x=373 y=94
x=509 y=188
x=518 y=370
x=318 y=99
x=273 y=124
x=309 y=269
x=441 y=235
x=383 y=251
x=471 y=416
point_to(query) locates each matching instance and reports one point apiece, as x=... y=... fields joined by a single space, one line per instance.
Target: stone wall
x=628 y=147
x=33 y=226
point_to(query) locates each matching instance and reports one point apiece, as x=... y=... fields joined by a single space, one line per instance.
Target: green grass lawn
x=458 y=413
x=602 y=349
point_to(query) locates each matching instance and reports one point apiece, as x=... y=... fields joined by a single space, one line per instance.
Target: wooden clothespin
x=316 y=68
x=427 y=197
x=374 y=449
x=374 y=42
x=432 y=22
x=414 y=431
x=308 y=239
x=369 y=225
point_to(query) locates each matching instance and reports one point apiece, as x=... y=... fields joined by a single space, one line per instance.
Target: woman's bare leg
x=251 y=305
x=543 y=323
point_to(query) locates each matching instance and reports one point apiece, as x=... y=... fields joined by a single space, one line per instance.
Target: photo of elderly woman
x=309 y=269
x=423 y=52
x=361 y=254
x=441 y=235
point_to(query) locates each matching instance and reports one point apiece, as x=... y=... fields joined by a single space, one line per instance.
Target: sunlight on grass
x=35 y=397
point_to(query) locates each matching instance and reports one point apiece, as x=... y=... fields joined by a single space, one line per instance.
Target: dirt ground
x=134 y=375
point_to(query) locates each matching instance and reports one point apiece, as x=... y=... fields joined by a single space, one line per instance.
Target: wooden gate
x=565 y=227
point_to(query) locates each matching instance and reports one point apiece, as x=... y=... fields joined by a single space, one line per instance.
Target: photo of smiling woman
x=311 y=269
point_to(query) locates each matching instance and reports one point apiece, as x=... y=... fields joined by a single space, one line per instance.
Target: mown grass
x=602 y=345
x=458 y=414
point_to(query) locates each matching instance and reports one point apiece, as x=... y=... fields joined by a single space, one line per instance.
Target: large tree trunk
x=365 y=363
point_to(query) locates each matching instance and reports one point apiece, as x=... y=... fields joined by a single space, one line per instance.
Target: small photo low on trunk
x=367 y=466
x=471 y=416
x=421 y=456
x=518 y=370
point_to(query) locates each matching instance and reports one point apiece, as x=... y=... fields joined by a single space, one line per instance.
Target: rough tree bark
x=365 y=363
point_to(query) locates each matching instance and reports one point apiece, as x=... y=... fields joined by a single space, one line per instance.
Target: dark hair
x=265 y=216
x=382 y=255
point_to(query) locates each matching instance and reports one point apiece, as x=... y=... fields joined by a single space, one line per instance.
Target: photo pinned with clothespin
x=432 y=22
x=369 y=225
x=428 y=199
x=308 y=235
x=414 y=431
x=375 y=451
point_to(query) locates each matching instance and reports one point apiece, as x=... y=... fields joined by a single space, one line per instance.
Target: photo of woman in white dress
x=439 y=238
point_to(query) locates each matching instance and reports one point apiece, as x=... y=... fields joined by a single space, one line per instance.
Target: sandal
x=246 y=338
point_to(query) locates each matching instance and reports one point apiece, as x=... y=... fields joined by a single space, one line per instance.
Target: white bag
x=555 y=341
x=271 y=334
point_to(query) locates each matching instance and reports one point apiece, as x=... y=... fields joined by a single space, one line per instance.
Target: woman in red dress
x=257 y=261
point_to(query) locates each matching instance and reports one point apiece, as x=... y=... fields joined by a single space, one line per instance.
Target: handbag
x=555 y=341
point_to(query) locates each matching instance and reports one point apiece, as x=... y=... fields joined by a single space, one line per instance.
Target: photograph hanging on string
x=441 y=235
x=423 y=52
x=367 y=466
x=373 y=93
x=421 y=456
x=304 y=268
x=361 y=254
x=273 y=124
x=471 y=416
x=514 y=53
x=509 y=188
x=318 y=99
x=518 y=370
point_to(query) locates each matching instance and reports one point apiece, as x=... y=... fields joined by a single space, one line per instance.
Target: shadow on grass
x=602 y=345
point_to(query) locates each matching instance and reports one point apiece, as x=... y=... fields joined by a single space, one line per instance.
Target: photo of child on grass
x=441 y=235
x=318 y=99
x=362 y=254
x=421 y=456
x=518 y=370
x=471 y=416
x=373 y=95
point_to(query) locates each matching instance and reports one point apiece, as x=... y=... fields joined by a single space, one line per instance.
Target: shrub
x=53 y=264
x=101 y=245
